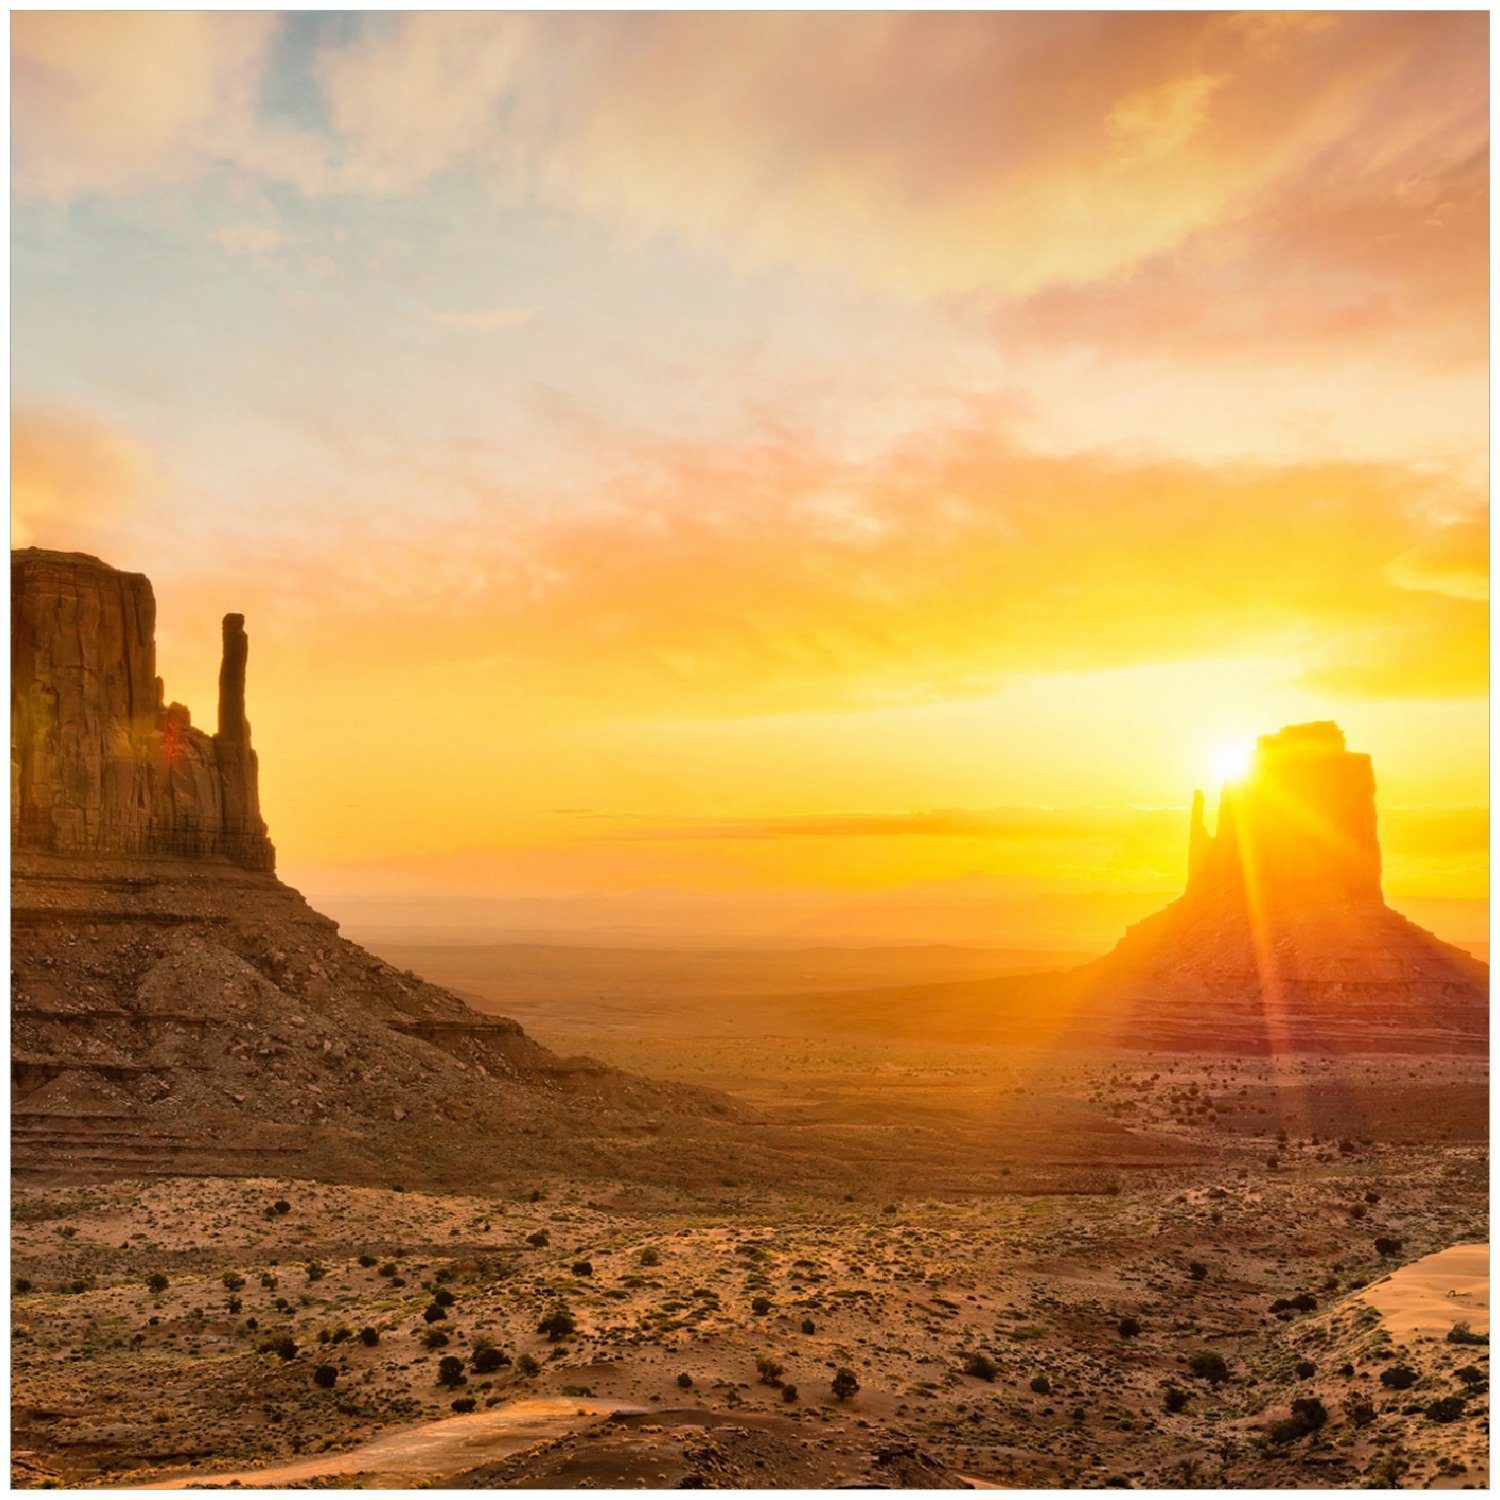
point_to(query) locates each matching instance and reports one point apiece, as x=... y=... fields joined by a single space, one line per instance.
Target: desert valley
x=750 y=749
x=1208 y=1210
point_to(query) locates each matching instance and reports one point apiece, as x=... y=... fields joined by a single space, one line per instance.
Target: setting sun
x=1231 y=761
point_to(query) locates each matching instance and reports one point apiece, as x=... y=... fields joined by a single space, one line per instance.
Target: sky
x=824 y=461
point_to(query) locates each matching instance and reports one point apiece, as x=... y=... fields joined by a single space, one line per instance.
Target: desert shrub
x=325 y=1376
x=367 y=1261
x=232 y=1281
x=1305 y=1369
x=1307 y=1416
x=486 y=1359
x=435 y=1338
x=760 y=1306
x=1206 y=1364
x=845 y=1383
x=1470 y=1375
x=463 y=1405
x=433 y=1312
x=1302 y=1302
x=1041 y=1385
x=1446 y=1409
x=1361 y=1413
x=526 y=1364
x=1310 y=1410
x=649 y=1256
x=442 y=1297
x=281 y=1206
x=980 y=1366
x=558 y=1324
x=450 y=1370
x=1387 y=1248
x=685 y=1381
x=233 y=1305
x=789 y=1394
x=808 y=1326
x=268 y=1281
x=1174 y=1398
x=1461 y=1334
x=387 y=1268
x=23 y=1285
x=283 y=1345
x=770 y=1370
x=1128 y=1328
x=315 y=1271
x=157 y=1283
x=1398 y=1377
x=1197 y=1270
x=583 y=1268
x=369 y=1337
x=538 y=1239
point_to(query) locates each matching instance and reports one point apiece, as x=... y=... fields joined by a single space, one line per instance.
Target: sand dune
x=1426 y=1298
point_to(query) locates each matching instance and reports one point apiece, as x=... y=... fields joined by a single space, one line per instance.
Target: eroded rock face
x=100 y=763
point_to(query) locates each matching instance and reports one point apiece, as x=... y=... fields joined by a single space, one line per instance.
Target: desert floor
x=1127 y=1271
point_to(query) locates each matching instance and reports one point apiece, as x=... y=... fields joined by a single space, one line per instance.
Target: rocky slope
x=176 y=1007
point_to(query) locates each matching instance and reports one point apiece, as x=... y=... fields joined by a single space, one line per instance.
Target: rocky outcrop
x=1299 y=830
x=1282 y=938
x=1282 y=942
x=101 y=764
x=175 y=1007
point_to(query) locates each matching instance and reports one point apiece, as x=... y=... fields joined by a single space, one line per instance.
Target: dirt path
x=410 y=1456
x=1426 y=1298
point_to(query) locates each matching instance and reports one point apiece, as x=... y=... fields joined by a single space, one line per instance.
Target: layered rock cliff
x=101 y=764
x=176 y=1007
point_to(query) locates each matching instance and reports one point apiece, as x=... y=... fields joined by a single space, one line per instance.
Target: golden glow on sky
x=1231 y=762
x=847 y=456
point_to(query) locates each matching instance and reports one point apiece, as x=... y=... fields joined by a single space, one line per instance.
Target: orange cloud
x=1455 y=561
x=75 y=481
x=708 y=579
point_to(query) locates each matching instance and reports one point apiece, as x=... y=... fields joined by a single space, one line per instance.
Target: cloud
x=248 y=241
x=1455 y=561
x=973 y=155
x=76 y=480
x=772 y=577
x=121 y=101
x=500 y=319
x=995 y=824
x=982 y=155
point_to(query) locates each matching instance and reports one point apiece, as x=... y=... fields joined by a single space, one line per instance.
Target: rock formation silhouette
x=1282 y=941
x=1283 y=936
x=177 y=1007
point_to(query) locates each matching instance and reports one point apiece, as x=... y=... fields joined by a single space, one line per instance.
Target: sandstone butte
x=1282 y=939
x=1282 y=942
x=177 y=1007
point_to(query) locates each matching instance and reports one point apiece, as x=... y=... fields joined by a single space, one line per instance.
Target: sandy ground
x=1429 y=1297
x=430 y=1450
x=1014 y=1323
